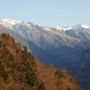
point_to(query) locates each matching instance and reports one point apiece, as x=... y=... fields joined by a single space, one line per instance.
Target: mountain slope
x=53 y=43
x=84 y=76
x=60 y=46
x=20 y=70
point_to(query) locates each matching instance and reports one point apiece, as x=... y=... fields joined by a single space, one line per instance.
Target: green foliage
x=59 y=74
x=7 y=58
x=25 y=49
x=4 y=36
x=41 y=86
x=27 y=67
x=3 y=74
x=69 y=89
x=6 y=62
x=31 y=78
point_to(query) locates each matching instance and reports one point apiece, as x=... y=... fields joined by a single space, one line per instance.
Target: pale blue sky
x=47 y=12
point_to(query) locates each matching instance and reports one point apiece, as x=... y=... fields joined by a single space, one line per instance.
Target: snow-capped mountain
x=85 y=26
x=50 y=38
x=10 y=23
x=53 y=42
x=63 y=28
x=60 y=46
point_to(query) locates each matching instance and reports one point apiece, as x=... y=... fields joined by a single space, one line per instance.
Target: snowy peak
x=63 y=28
x=81 y=27
x=8 y=22
x=85 y=26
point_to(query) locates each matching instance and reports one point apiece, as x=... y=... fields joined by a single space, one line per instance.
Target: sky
x=47 y=12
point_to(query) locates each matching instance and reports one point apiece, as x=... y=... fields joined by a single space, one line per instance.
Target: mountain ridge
x=20 y=70
x=61 y=48
x=13 y=21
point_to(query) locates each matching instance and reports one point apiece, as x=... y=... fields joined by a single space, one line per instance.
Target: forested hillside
x=19 y=70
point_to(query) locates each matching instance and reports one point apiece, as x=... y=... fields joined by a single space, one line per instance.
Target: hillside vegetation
x=19 y=70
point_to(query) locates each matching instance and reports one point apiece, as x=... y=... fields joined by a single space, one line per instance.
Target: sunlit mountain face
x=60 y=46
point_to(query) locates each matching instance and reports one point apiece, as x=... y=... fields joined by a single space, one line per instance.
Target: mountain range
x=59 y=46
x=20 y=70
